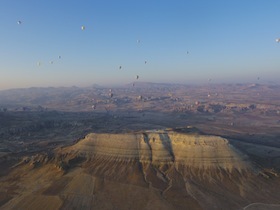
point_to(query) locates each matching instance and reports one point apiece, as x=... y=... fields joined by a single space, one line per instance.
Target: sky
x=182 y=41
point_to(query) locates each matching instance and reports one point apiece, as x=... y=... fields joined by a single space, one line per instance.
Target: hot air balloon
x=83 y=27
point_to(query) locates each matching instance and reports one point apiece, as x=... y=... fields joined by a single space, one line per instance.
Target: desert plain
x=141 y=146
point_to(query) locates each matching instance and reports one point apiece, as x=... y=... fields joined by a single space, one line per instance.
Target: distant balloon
x=187 y=52
x=140 y=97
x=111 y=95
x=137 y=77
x=258 y=78
x=51 y=62
x=83 y=27
x=93 y=106
x=120 y=67
x=277 y=40
x=39 y=63
x=19 y=22
x=145 y=62
x=138 y=41
x=59 y=57
x=133 y=84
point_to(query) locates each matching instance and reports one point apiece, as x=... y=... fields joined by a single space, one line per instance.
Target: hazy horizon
x=44 y=45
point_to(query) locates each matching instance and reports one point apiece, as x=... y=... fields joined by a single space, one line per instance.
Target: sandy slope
x=142 y=170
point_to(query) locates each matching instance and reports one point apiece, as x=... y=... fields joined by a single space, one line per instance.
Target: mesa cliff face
x=143 y=170
x=161 y=147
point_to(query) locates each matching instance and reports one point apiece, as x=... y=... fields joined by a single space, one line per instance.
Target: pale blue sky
x=227 y=41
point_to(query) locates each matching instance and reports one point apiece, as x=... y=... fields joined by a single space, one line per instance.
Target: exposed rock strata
x=143 y=170
x=159 y=147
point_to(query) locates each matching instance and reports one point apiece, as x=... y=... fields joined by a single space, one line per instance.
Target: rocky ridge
x=155 y=169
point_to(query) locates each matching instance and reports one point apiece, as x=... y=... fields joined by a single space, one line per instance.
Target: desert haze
x=141 y=146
